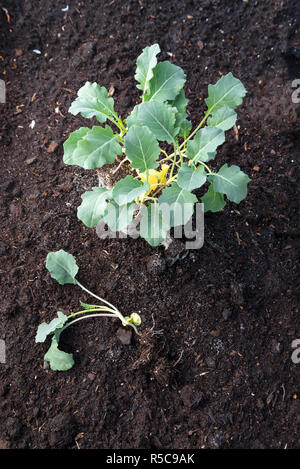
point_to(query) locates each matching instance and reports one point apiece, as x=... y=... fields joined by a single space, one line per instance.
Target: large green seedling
x=157 y=179
x=63 y=268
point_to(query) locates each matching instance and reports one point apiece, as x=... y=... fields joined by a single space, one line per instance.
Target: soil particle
x=236 y=294
x=4 y=444
x=124 y=335
x=62 y=431
x=227 y=313
x=155 y=264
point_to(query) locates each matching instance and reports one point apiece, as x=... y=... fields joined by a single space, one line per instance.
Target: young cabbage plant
x=63 y=268
x=157 y=178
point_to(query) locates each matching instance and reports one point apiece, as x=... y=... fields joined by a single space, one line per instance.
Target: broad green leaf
x=176 y=205
x=62 y=267
x=45 y=329
x=142 y=148
x=167 y=81
x=204 y=144
x=133 y=119
x=71 y=143
x=232 y=182
x=97 y=147
x=228 y=91
x=93 y=206
x=213 y=201
x=160 y=119
x=145 y=64
x=93 y=101
x=224 y=118
x=117 y=216
x=153 y=227
x=59 y=360
x=128 y=189
x=190 y=178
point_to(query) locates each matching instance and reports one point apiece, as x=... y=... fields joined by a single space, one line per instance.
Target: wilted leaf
x=62 y=267
x=45 y=329
x=59 y=360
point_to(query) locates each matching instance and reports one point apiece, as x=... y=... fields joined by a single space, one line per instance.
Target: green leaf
x=213 y=201
x=228 y=91
x=204 y=144
x=145 y=64
x=160 y=119
x=71 y=143
x=232 y=182
x=59 y=360
x=176 y=205
x=93 y=206
x=224 y=118
x=93 y=101
x=133 y=119
x=153 y=227
x=62 y=267
x=45 y=329
x=86 y=306
x=128 y=189
x=190 y=178
x=142 y=148
x=117 y=216
x=180 y=103
x=95 y=148
x=185 y=128
x=168 y=79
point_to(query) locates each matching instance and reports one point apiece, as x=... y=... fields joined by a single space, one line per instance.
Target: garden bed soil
x=213 y=366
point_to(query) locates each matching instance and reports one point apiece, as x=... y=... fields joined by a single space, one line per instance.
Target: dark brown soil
x=213 y=367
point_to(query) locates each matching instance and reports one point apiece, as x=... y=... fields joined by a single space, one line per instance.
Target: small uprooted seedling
x=63 y=268
x=161 y=178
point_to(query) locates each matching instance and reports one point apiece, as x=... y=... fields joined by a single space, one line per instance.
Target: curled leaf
x=45 y=329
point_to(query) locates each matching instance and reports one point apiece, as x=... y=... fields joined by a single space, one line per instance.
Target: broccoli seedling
x=63 y=268
x=160 y=183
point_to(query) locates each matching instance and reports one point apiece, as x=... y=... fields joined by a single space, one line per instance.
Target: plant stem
x=86 y=317
x=97 y=308
x=115 y=310
x=195 y=131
